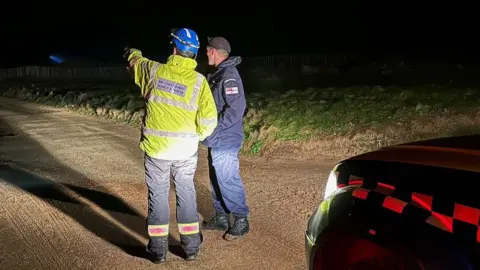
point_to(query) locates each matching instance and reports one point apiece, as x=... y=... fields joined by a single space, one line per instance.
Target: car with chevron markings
x=408 y=206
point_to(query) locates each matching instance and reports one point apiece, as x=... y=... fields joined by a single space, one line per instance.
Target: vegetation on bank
x=276 y=116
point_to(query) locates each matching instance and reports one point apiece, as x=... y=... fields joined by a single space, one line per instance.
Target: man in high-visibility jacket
x=180 y=112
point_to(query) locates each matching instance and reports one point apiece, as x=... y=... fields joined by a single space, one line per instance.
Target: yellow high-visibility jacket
x=180 y=109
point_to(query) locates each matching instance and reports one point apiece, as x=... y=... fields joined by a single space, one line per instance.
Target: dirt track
x=72 y=196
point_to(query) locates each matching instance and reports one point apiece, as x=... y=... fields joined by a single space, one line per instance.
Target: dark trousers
x=228 y=191
x=157 y=177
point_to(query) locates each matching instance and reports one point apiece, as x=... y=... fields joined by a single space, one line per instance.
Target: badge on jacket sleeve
x=231 y=90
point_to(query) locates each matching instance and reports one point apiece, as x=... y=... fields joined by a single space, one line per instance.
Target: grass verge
x=316 y=122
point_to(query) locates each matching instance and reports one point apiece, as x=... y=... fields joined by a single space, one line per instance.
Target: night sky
x=296 y=28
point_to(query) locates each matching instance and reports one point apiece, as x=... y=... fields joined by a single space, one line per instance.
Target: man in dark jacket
x=225 y=142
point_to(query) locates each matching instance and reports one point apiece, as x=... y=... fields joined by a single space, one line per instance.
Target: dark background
x=100 y=31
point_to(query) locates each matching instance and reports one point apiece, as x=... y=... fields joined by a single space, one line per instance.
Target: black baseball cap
x=219 y=43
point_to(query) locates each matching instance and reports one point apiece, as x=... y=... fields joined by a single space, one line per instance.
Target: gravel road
x=72 y=196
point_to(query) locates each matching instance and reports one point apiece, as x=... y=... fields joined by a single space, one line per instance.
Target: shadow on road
x=21 y=155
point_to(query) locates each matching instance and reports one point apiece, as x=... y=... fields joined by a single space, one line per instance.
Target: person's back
x=175 y=100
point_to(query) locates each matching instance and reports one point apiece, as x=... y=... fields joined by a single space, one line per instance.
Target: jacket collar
x=231 y=61
x=182 y=62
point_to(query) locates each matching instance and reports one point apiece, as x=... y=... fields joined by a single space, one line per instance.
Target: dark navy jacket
x=227 y=89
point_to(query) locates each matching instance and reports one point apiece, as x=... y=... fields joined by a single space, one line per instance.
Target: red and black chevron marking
x=449 y=216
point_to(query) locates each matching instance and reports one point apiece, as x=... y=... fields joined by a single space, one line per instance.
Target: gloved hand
x=129 y=53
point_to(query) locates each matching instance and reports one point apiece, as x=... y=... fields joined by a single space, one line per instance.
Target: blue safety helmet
x=185 y=40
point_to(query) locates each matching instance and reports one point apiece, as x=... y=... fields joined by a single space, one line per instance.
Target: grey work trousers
x=157 y=177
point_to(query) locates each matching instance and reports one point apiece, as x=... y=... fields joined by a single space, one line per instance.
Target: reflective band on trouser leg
x=187 y=214
x=157 y=178
x=158 y=230
x=189 y=229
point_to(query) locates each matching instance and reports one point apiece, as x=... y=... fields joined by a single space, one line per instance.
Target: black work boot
x=159 y=258
x=191 y=256
x=219 y=222
x=159 y=254
x=192 y=253
x=239 y=229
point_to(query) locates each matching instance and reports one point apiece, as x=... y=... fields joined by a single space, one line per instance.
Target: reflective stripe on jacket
x=180 y=109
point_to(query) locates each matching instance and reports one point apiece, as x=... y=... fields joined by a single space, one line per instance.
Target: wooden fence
x=53 y=72
x=119 y=73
